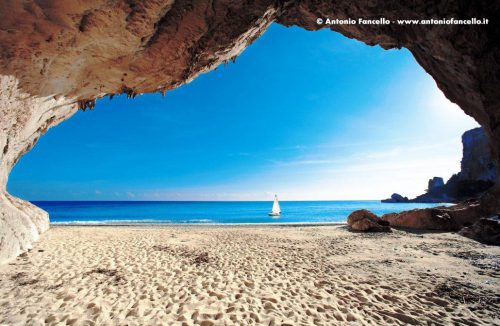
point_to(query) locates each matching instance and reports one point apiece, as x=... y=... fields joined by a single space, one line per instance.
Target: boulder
x=366 y=221
x=451 y=218
x=427 y=219
x=486 y=230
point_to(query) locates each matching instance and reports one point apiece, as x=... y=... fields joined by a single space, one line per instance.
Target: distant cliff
x=477 y=163
x=478 y=172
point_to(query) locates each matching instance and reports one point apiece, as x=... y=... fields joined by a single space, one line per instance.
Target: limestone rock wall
x=87 y=49
x=24 y=118
x=58 y=55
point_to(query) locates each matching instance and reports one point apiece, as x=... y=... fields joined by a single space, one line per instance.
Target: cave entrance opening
x=308 y=115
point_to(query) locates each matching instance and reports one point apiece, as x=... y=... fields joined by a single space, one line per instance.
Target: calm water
x=134 y=212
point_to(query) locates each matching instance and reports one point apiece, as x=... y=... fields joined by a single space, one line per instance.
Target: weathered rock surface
x=477 y=162
x=485 y=230
x=451 y=218
x=366 y=221
x=59 y=55
x=478 y=169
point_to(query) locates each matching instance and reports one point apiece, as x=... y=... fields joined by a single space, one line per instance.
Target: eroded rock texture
x=442 y=218
x=60 y=54
x=365 y=221
x=23 y=119
x=477 y=163
x=486 y=230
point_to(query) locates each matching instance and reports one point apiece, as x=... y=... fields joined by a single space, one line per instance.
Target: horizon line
x=201 y=201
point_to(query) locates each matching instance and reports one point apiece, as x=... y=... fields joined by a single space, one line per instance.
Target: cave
x=59 y=57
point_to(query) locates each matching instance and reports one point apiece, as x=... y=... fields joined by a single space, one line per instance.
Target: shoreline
x=153 y=225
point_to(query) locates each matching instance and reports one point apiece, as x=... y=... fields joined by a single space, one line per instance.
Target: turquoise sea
x=177 y=212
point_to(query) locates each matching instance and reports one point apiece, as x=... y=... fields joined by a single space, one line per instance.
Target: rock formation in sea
x=396 y=198
x=478 y=173
x=60 y=56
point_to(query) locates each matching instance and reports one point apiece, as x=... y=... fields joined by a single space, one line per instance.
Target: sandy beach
x=260 y=275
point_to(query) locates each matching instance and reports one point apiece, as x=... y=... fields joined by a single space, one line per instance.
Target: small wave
x=134 y=222
x=193 y=222
x=111 y=222
x=201 y=220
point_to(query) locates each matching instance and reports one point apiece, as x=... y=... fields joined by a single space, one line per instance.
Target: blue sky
x=307 y=115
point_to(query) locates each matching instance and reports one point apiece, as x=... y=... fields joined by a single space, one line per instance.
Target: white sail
x=276 y=206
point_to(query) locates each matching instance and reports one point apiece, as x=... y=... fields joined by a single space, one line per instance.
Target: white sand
x=250 y=275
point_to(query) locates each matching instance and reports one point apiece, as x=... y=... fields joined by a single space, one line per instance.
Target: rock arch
x=58 y=56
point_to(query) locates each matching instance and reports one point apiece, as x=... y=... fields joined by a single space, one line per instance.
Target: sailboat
x=276 y=211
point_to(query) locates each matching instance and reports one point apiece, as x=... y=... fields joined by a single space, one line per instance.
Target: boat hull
x=273 y=214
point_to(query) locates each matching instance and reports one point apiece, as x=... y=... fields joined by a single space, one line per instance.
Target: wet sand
x=260 y=275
